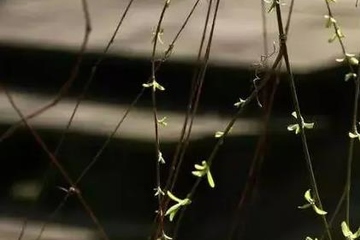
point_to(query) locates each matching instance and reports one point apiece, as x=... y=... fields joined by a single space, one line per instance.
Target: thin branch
x=283 y=38
x=93 y=72
x=259 y=153
x=220 y=141
x=184 y=136
x=55 y=161
x=155 y=113
x=65 y=87
x=80 y=98
x=350 y=154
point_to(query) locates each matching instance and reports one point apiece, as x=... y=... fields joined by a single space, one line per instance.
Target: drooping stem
x=283 y=38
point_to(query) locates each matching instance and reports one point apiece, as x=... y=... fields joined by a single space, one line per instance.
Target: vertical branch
x=197 y=83
x=283 y=39
x=183 y=141
x=155 y=86
x=351 y=146
x=264 y=28
x=258 y=158
x=156 y=229
x=350 y=155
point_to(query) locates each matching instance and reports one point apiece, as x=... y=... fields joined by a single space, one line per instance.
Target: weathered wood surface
x=100 y=119
x=237 y=39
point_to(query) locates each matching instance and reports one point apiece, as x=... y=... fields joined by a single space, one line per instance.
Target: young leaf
x=219 y=134
x=332 y=39
x=311 y=203
x=353 y=61
x=309 y=125
x=197 y=173
x=203 y=169
x=175 y=208
x=329 y=21
x=172 y=211
x=239 y=103
x=350 y=58
x=347 y=232
x=166 y=237
x=172 y=196
x=308 y=197
x=158 y=86
x=296 y=127
x=161 y=158
x=354 y=134
x=318 y=210
x=154 y=84
x=210 y=180
x=307 y=205
x=162 y=121
x=158 y=191
x=350 y=75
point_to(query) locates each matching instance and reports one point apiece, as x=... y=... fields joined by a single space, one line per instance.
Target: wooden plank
x=237 y=41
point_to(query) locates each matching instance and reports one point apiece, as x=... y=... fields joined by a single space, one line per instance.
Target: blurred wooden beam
x=238 y=34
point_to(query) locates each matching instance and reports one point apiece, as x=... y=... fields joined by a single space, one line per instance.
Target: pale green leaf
x=184 y=202
x=172 y=210
x=166 y=236
x=172 y=215
x=308 y=197
x=339 y=33
x=332 y=39
x=239 y=103
x=309 y=125
x=158 y=191
x=219 y=134
x=147 y=85
x=354 y=135
x=305 y=206
x=350 y=75
x=329 y=21
x=353 y=61
x=158 y=86
x=318 y=210
x=173 y=197
x=273 y=5
x=292 y=127
x=210 y=179
x=357 y=233
x=345 y=229
x=197 y=173
x=200 y=167
x=349 y=54
x=163 y=121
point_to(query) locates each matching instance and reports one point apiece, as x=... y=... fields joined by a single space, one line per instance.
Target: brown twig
x=65 y=87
